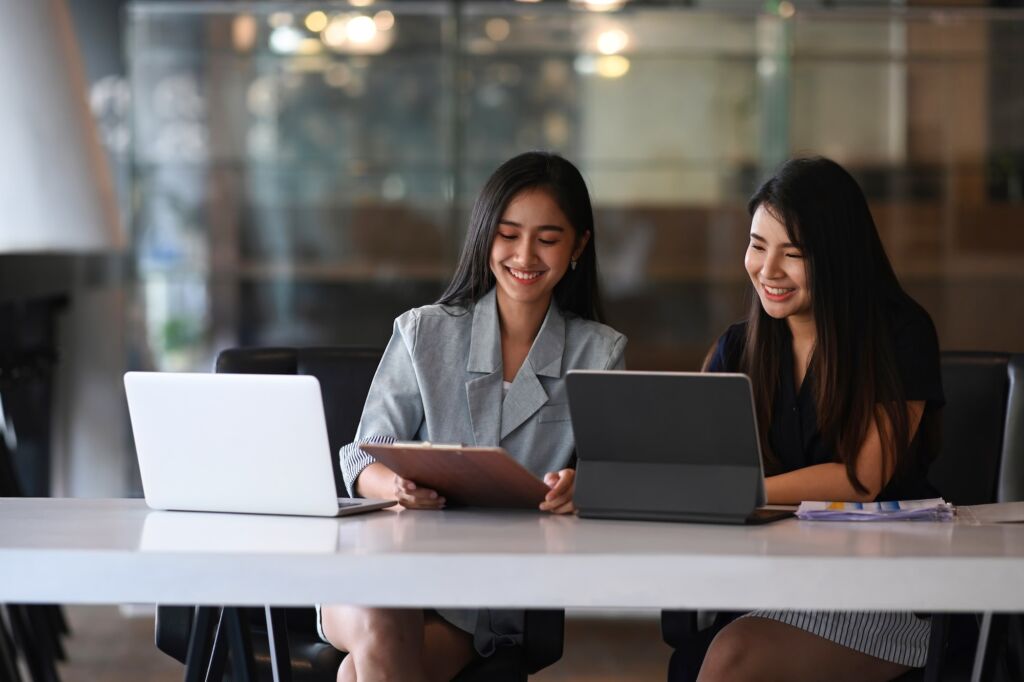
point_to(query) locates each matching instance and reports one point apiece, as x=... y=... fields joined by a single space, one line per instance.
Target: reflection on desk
x=457 y=530
x=169 y=531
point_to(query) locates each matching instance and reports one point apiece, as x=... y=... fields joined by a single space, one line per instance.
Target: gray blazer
x=441 y=380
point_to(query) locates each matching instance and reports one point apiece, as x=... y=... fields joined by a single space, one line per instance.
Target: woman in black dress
x=845 y=373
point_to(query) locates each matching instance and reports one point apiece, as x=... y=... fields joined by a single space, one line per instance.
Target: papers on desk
x=935 y=509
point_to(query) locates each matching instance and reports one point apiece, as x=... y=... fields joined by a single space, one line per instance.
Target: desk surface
x=118 y=551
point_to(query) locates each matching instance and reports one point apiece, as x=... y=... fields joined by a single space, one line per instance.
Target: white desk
x=117 y=551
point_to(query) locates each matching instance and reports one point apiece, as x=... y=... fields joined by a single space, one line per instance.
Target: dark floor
x=107 y=646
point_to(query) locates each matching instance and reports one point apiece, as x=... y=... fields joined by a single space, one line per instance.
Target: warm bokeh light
x=612 y=66
x=612 y=41
x=384 y=20
x=497 y=29
x=601 y=5
x=359 y=34
x=335 y=35
x=786 y=9
x=243 y=32
x=316 y=21
x=360 y=3
x=361 y=29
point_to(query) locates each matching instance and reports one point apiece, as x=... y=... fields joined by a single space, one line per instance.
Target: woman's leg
x=395 y=644
x=347 y=670
x=760 y=649
x=384 y=644
x=446 y=648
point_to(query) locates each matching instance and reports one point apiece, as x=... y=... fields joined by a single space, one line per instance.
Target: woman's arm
x=376 y=480
x=380 y=482
x=829 y=481
x=393 y=411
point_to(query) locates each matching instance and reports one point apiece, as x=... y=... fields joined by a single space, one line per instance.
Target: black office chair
x=345 y=375
x=981 y=460
x=34 y=631
x=982 y=455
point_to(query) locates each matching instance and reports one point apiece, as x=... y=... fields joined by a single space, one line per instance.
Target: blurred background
x=299 y=173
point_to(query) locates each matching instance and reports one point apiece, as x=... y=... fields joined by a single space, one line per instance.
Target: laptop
x=235 y=443
x=667 y=446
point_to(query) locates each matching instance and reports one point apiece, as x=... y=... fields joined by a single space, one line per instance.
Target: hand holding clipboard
x=464 y=476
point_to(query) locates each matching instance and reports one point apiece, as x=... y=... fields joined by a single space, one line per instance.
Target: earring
x=572 y=263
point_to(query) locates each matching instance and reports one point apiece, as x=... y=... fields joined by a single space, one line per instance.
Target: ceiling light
x=612 y=42
x=601 y=5
x=361 y=30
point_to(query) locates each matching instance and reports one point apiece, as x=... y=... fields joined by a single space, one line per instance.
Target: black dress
x=796 y=442
x=794 y=436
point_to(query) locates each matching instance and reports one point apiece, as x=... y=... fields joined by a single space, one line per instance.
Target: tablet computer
x=464 y=476
x=667 y=446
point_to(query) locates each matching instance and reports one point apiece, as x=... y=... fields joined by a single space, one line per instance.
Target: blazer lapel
x=484 y=395
x=527 y=395
x=483 y=389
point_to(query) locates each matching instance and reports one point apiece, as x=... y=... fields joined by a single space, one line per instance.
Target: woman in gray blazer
x=485 y=365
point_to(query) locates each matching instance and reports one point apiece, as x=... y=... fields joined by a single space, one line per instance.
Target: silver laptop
x=672 y=446
x=235 y=443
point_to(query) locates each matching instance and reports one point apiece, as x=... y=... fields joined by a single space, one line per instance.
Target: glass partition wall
x=303 y=172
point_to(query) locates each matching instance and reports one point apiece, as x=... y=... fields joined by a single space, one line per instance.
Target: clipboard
x=464 y=476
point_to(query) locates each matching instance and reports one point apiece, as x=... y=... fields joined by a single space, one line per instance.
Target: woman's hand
x=411 y=496
x=559 y=498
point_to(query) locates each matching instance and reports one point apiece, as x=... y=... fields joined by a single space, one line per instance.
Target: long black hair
x=577 y=291
x=852 y=286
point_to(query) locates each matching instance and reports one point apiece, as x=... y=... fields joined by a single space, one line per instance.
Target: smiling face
x=532 y=248
x=777 y=269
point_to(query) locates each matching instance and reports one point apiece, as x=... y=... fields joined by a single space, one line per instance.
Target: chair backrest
x=979 y=459
x=9 y=484
x=1011 y=476
x=344 y=374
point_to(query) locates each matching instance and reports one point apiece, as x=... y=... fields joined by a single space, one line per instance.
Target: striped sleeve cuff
x=354 y=460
